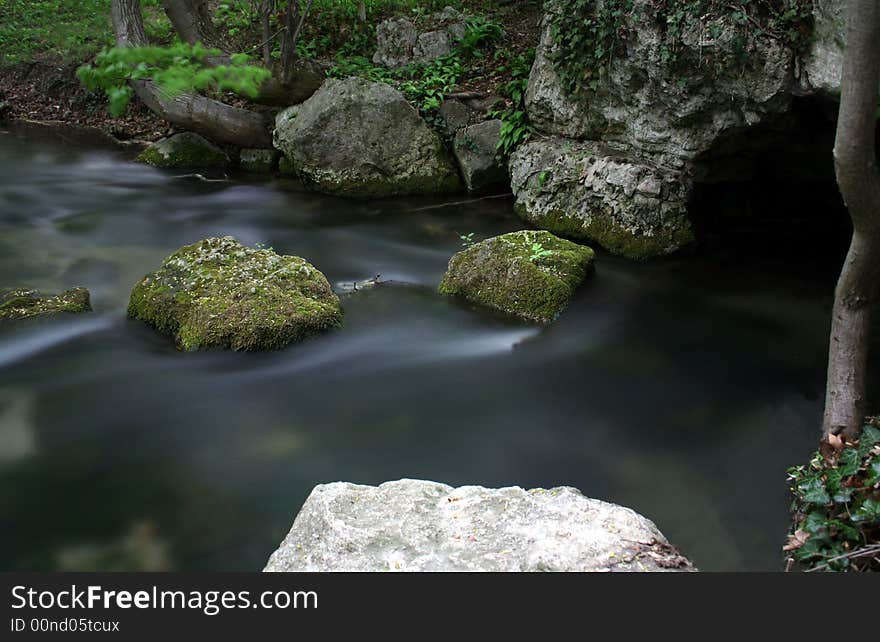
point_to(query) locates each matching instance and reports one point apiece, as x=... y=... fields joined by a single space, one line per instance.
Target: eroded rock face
x=583 y=190
x=824 y=62
x=412 y=525
x=184 y=150
x=475 y=149
x=643 y=132
x=217 y=293
x=23 y=303
x=528 y=274
x=363 y=139
x=649 y=104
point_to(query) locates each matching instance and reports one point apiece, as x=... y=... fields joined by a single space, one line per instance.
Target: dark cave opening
x=768 y=194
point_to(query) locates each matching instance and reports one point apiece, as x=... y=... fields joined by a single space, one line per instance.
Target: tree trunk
x=859 y=182
x=292 y=84
x=191 y=20
x=265 y=10
x=212 y=118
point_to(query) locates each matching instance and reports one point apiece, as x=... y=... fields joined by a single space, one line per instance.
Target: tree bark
x=191 y=20
x=211 y=118
x=859 y=181
x=290 y=85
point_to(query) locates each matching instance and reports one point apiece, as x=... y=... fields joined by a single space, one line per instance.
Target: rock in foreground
x=363 y=139
x=24 y=303
x=529 y=274
x=219 y=293
x=184 y=150
x=412 y=525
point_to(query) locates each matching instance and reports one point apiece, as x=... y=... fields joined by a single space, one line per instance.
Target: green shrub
x=836 y=507
x=176 y=69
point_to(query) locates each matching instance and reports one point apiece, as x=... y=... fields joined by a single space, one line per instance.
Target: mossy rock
x=184 y=150
x=23 y=304
x=258 y=161
x=217 y=293
x=529 y=274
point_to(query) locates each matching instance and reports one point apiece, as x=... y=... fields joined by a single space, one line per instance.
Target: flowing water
x=681 y=388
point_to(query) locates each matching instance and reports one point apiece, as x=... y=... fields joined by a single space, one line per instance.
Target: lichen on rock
x=583 y=190
x=528 y=274
x=415 y=525
x=186 y=149
x=23 y=303
x=218 y=293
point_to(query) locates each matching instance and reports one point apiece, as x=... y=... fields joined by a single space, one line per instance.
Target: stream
x=681 y=388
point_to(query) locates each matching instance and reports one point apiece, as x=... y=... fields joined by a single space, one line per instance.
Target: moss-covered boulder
x=23 y=304
x=184 y=150
x=362 y=139
x=217 y=293
x=529 y=274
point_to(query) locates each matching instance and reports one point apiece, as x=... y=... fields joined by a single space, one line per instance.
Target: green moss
x=529 y=274
x=615 y=239
x=285 y=167
x=260 y=161
x=23 y=304
x=183 y=150
x=378 y=186
x=219 y=293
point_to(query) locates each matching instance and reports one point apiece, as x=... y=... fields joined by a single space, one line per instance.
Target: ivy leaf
x=869 y=511
x=814 y=492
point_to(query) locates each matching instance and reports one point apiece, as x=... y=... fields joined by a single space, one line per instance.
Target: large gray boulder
x=412 y=525
x=476 y=150
x=363 y=139
x=586 y=191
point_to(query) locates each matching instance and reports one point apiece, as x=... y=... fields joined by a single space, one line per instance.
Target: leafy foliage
x=588 y=33
x=836 y=507
x=424 y=85
x=176 y=69
x=515 y=127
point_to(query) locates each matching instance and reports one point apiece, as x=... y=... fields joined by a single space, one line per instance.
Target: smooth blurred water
x=681 y=388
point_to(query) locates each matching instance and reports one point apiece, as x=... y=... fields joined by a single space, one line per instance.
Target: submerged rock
x=260 y=161
x=529 y=274
x=413 y=525
x=476 y=150
x=363 y=139
x=184 y=150
x=23 y=303
x=219 y=293
x=584 y=191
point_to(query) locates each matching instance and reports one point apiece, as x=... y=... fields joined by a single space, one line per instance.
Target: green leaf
x=813 y=492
